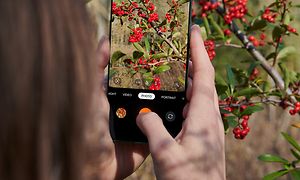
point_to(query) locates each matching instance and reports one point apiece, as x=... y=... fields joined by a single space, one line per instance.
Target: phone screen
x=148 y=64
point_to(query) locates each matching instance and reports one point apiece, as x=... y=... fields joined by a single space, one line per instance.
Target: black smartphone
x=148 y=64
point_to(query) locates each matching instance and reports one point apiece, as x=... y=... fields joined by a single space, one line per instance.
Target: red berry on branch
x=251 y=38
x=292 y=112
x=227 y=32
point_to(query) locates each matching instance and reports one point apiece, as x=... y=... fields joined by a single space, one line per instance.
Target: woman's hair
x=46 y=82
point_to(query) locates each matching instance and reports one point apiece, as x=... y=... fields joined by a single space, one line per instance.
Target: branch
x=257 y=55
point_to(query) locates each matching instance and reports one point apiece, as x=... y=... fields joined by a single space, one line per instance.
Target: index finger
x=202 y=103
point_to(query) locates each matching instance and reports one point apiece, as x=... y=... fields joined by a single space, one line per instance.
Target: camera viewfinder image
x=149 y=41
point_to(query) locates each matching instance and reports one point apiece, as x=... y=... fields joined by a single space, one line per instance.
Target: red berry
x=246 y=117
x=297 y=104
x=262 y=36
x=237 y=136
x=251 y=38
x=244 y=124
x=244 y=133
x=247 y=129
x=297 y=109
x=292 y=112
x=243 y=107
x=237 y=130
x=227 y=32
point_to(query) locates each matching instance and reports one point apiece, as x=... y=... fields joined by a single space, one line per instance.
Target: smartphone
x=148 y=64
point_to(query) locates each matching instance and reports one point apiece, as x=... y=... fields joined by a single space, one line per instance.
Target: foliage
x=244 y=90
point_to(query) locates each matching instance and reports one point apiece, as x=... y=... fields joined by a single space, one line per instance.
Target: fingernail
x=196 y=28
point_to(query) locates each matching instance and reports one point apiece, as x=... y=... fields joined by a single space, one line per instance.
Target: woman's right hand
x=198 y=150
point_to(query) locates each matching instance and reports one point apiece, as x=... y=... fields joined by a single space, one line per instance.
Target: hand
x=198 y=150
x=106 y=160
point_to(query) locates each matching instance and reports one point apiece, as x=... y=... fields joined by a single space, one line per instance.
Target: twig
x=278 y=40
x=230 y=45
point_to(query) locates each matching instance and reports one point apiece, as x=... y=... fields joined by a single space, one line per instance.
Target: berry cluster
x=156 y=84
x=237 y=9
x=242 y=130
x=153 y=17
x=168 y=17
x=136 y=35
x=296 y=109
x=258 y=42
x=210 y=48
x=269 y=16
x=207 y=6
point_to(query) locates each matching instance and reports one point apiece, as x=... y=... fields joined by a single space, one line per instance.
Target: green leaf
x=161 y=69
x=177 y=35
x=147 y=75
x=249 y=92
x=216 y=26
x=286 y=74
x=207 y=27
x=271 y=55
x=181 y=80
x=159 y=56
x=112 y=72
x=221 y=89
x=147 y=45
x=272 y=158
x=141 y=49
x=251 y=109
x=295 y=154
x=257 y=25
x=183 y=1
x=163 y=23
x=277 y=32
x=232 y=122
x=291 y=140
x=203 y=33
x=137 y=54
x=295 y=174
x=117 y=55
x=276 y=174
x=231 y=78
x=138 y=47
x=226 y=126
x=285 y=52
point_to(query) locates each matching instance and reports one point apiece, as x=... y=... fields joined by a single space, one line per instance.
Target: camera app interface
x=149 y=44
x=149 y=51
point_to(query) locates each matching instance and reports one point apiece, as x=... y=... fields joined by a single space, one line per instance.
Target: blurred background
x=241 y=156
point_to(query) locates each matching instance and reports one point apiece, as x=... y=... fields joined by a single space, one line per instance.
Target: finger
x=191 y=71
x=202 y=102
x=130 y=156
x=103 y=52
x=185 y=110
x=189 y=90
x=152 y=126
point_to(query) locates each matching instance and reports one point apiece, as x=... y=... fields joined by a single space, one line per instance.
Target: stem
x=166 y=39
x=230 y=45
x=257 y=56
x=278 y=41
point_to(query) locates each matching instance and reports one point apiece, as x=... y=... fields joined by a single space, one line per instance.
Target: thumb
x=152 y=126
